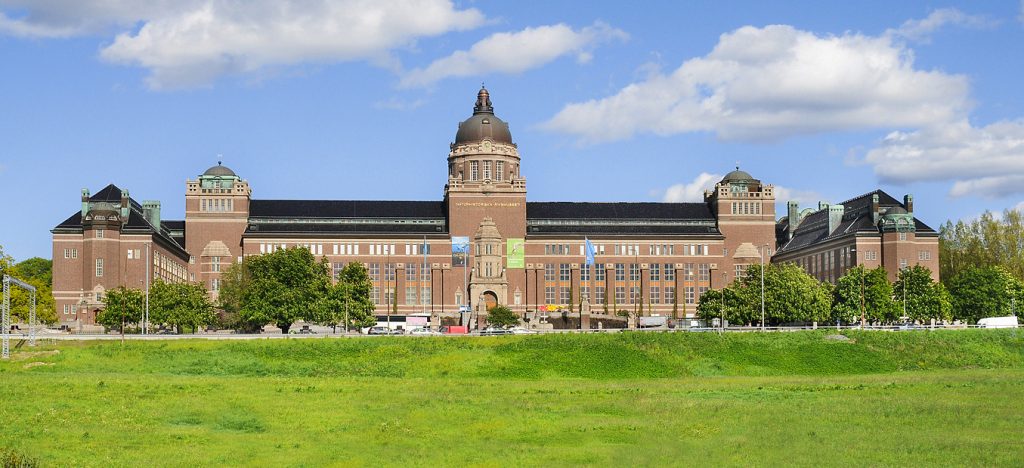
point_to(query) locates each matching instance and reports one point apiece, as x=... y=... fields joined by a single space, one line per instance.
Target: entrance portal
x=490 y=299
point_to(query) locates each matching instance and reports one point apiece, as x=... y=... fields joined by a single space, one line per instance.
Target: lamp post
x=145 y=319
x=762 y=286
x=725 y=277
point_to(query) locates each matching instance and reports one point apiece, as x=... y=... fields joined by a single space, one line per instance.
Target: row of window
x=70 y=253
x=498 y=174
x=656 y=272
x=746 y=208
x=217 y=204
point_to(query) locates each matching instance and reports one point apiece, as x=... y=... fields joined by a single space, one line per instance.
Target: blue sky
x=607 y=101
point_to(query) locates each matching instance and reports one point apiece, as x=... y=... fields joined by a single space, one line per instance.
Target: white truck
x=998 y=322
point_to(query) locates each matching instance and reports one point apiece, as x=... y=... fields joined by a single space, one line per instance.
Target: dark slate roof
x=618 y=210
x=813 y=229
x=175 y=229
x=136 y=221
x=581 y=218
x=345 y=209
x=343 y=217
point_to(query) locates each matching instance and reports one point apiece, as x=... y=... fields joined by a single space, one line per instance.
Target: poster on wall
x=460 y=250
x=515 y=253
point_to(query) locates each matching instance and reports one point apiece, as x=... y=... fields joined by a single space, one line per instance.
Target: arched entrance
x=490 y=299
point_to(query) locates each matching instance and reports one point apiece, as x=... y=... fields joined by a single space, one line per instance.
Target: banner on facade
x=460 y=251
x=515 y=253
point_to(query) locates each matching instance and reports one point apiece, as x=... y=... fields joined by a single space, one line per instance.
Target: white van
x=998 y=322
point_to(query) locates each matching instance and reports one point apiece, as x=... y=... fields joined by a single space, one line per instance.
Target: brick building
x=652 y=259
x=873 y=230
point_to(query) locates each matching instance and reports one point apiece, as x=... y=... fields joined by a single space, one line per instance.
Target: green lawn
x=940 y=398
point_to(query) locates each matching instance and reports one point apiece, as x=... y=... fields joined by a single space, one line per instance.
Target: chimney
x=874 y=209
x=85 y=202
x=908 y=203
x=822 y=205
x=125 y=206
x=793 y=210
x=151 y=211
x=835 y=216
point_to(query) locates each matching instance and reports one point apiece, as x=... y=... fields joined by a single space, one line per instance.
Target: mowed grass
x=919 y=398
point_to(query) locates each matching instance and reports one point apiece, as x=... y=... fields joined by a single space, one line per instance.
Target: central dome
x=483 y=124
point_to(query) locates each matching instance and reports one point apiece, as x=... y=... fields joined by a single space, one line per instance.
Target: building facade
x=873 y=230
x=653 y=260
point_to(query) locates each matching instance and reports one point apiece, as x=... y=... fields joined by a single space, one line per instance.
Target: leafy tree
x=36 y=272
x=350 y=297
x=986 y=241
x=984 y=292
x=121 y=306
x=181 y=305
x=282 y=287
x=501 y=316
x=790 y=295
x=925 y=299
x=868 y=291
x=710 y=305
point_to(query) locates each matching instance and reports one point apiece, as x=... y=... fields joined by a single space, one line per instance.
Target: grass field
x=918 y=398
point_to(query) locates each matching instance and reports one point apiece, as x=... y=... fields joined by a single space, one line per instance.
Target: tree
x=864 y=291
x=984 y=292
x=121 y=306
x=181 y=305
x=501 y=316
x=925 y=299
x=349 y=297
x=282 y=287
x=790 y=295
x=36 y=272
x=986 y=241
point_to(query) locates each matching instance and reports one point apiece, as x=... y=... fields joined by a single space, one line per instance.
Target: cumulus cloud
x=516 y=52
x=692 y=191
x=921 y=29
x=775 y=82
x=189 y=42
x=784 y=195
x=985 y=161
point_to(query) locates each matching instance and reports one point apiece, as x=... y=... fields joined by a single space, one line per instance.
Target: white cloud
x=397 y=104
x=986 y=161
x=775 y=82
x=784 y=195
x=191 y=42
x=692 y=191
x=921 y=30
x=515 y=52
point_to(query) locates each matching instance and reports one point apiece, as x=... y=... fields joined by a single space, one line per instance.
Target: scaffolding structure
x=8 y=282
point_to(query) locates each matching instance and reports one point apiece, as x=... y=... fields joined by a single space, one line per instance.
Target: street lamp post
x=725 y=277
x=145 y=320
x=762 y=286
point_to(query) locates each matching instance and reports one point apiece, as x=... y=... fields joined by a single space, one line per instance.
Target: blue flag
x=588 y=250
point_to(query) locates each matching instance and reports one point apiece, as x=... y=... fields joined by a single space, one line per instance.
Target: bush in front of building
x=502 y=317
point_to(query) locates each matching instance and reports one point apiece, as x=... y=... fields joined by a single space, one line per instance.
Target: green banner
x=515 y=252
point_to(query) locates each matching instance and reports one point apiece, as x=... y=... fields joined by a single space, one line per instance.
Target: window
x=410 y=295
x=634 y=272
x=634 y=294
x=487 y=170
x=924 y=255
x=655 y=272
x=425 y=295
x=704 y=272
x=903 y=236
x=563 y=272
x=338 y=266
x=690 y=298
x=655 y=295
x=620 y=272
x=599 y=291
x=620 y=294
x=99 y=233
x=599 y=272
x=903 y=263
x=549 y=294
x=584 y=273
x=215 y=284
x=549 y=272
x=688 y=272
x=410 y=272
x=215 y=264
x=389 y=272
x=563 y=295
x=670 y=295
x=474 y=170
x=70 y=253
x=375 y=295
x=499 y=170
x=99 y=267
x=741 y=271
x=374 y=271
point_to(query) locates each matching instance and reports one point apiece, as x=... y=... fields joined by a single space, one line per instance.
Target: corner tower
x=745 y=211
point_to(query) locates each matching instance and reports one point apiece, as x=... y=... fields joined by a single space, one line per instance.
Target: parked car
x=377 y=331
x=396 y=331
x=495 y=331
x=423 y=331
x=521 y=331
x=306 y=331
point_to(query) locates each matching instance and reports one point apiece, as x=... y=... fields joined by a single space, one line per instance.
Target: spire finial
x=220 y=158
x=483 y=102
